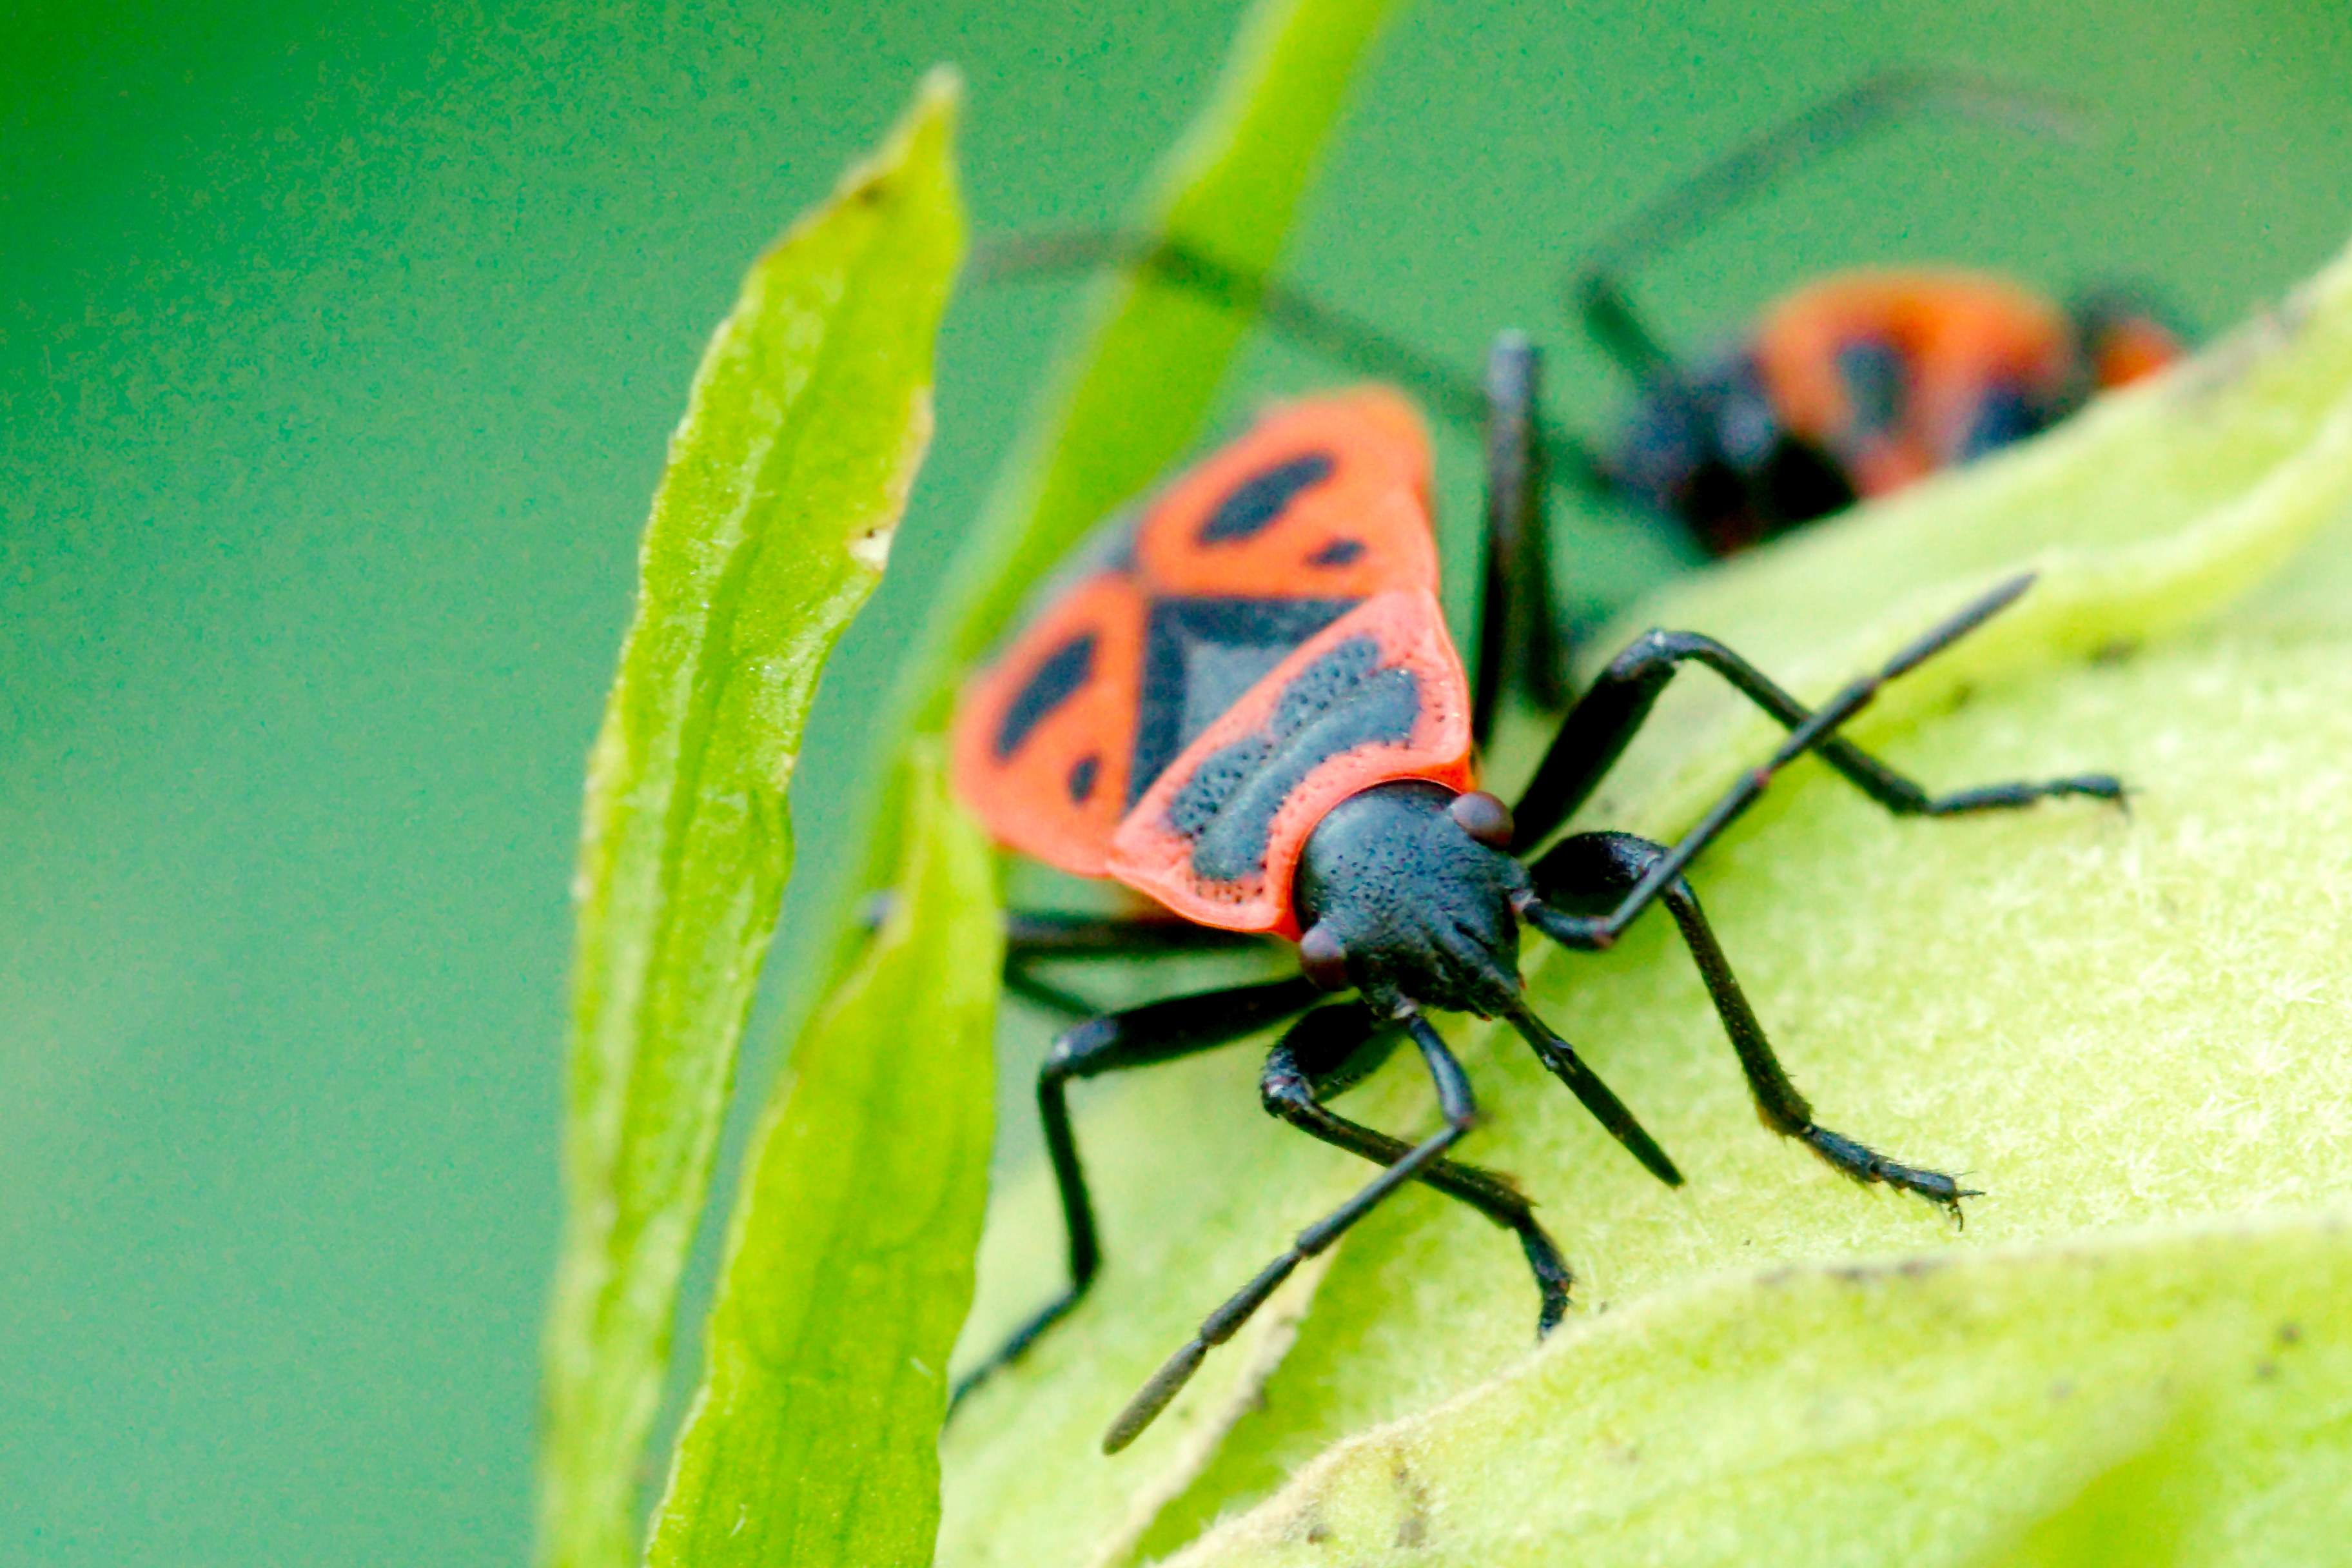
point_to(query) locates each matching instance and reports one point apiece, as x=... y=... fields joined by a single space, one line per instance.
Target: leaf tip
x=940 y=93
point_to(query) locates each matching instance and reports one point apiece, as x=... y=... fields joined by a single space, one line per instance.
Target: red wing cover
x=1195 y=628
x=1378 y=695
x=1045 y=735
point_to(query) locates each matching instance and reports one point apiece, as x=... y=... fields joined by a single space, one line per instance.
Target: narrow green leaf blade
x=1133 y=390
x=813 y=1440
x=807 y=422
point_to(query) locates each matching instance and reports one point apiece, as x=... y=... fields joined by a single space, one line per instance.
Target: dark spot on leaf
x=1413 y=1530
x=2115 y=650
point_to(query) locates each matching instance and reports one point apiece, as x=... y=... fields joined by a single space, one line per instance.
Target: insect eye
x=1482 y=817
x=1322 y=960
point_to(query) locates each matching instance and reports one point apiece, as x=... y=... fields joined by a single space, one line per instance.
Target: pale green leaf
x=804 y=429
x=2148 y=1400
x=813 y=1439
x=2133 y=1032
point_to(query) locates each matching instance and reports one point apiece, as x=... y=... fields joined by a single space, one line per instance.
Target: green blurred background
x=337 y=347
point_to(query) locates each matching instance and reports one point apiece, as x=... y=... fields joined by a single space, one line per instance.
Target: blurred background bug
x=1244 y=704
x=1846 y=387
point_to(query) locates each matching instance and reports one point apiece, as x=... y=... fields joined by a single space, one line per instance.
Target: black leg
x=1334 y=1045
x=1139 y=1036
x=1597 y=729
x=1030 y=937
x=1588 y=872
x=1814 y=733
x=1033 y=934
x=1520 y=645
x=1030 y=933
x=1044 y=993
x=1294 y=315
x=1460 y=1111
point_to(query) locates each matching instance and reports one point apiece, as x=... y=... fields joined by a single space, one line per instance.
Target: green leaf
x=813 y=1439
x=1131 y=394
x=804 y=430
x=2140 y=1400
x=2129 y=1030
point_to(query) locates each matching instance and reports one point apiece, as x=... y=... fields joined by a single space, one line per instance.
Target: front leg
x=1589 y=871
x=1334 y=1047
x=1581 y=759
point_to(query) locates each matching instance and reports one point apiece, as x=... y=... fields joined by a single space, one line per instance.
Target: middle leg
x=1521 y=644
x=1139 y=1037
x=1031 y=937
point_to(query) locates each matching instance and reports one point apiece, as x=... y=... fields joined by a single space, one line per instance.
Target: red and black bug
x=1855 y=384
x=1850 y=386
x=1249 y=709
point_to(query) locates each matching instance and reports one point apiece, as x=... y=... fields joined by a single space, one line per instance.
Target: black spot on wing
x=1338 y=553
x=1083 y=773
x=1199 y=657
x=1875 y=385
x=1342 y=701
x=2004 y=415
x=1056 y=681
x=1257 y=500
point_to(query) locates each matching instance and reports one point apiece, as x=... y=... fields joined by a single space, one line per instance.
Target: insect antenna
x=1565 y=1064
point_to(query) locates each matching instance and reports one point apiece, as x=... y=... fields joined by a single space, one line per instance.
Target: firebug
x=1244 y=705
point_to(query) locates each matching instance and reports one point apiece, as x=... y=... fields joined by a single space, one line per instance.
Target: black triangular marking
x=1199 y=656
